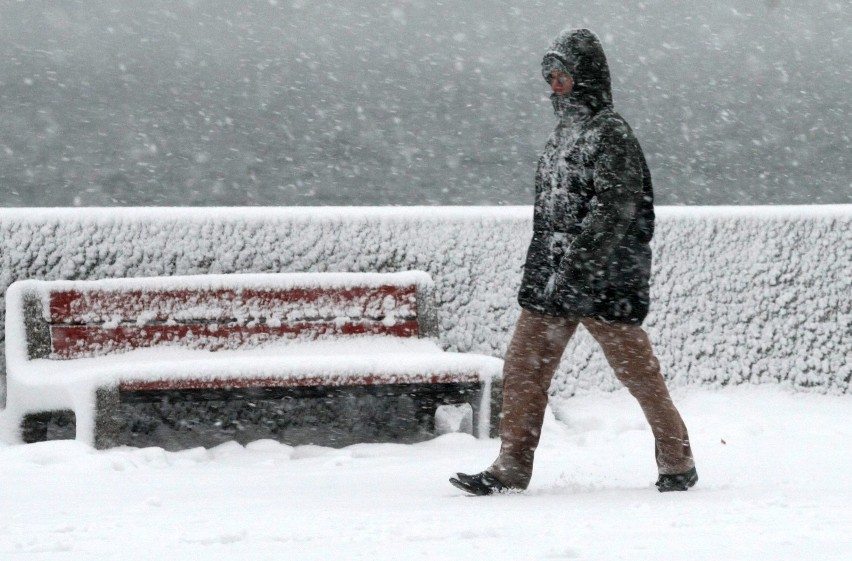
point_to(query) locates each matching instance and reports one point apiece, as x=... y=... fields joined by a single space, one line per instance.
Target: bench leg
x=486 y=402
x=106 y=417
x=496 y=412
x=34 y=427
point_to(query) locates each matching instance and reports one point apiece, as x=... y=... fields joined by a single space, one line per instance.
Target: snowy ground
x=776 y=484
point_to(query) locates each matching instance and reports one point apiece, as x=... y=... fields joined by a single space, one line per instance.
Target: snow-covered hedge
x=740 y=294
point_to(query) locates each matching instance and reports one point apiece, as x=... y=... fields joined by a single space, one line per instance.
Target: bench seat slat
x=360 y=379
x=98 y=306
x=78 y=341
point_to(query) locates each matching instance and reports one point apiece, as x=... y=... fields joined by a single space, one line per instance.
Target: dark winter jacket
x=594 y=212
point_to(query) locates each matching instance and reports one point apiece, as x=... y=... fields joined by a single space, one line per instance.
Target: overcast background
x=292 y=102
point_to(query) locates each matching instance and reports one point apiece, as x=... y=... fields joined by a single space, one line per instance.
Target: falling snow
x=179 y=102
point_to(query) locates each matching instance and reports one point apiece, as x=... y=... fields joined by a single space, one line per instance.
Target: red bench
x=85 y=346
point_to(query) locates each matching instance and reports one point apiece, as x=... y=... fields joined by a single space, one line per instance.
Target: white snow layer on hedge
x=739 y=294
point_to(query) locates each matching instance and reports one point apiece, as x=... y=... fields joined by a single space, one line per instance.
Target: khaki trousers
x=531 y=360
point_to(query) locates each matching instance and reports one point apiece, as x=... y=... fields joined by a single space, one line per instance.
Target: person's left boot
x=482 y=483
x=677 y=481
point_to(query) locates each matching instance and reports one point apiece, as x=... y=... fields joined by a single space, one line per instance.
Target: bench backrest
x=71 y=319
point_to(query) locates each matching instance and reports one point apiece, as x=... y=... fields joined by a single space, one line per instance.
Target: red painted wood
x=74 y=307
x=296 y=382
x=77 y=341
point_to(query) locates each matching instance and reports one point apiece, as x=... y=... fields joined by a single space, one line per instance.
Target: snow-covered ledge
x=740 y=294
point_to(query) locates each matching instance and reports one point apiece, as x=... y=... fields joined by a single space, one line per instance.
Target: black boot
x=482 y=483
x=677 y=481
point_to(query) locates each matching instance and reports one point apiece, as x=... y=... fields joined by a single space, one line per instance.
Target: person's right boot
x=677 y=481
x=482 y=483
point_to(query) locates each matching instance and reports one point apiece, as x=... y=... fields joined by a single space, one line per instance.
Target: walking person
x=589 y=263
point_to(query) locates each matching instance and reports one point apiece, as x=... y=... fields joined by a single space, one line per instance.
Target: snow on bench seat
x=82 y=345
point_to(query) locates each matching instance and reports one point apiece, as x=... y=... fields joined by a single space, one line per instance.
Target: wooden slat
x=300 y=381
x=78 y=341
x=81 y=307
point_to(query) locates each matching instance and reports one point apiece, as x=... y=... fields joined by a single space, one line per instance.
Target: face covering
x=568 y=108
